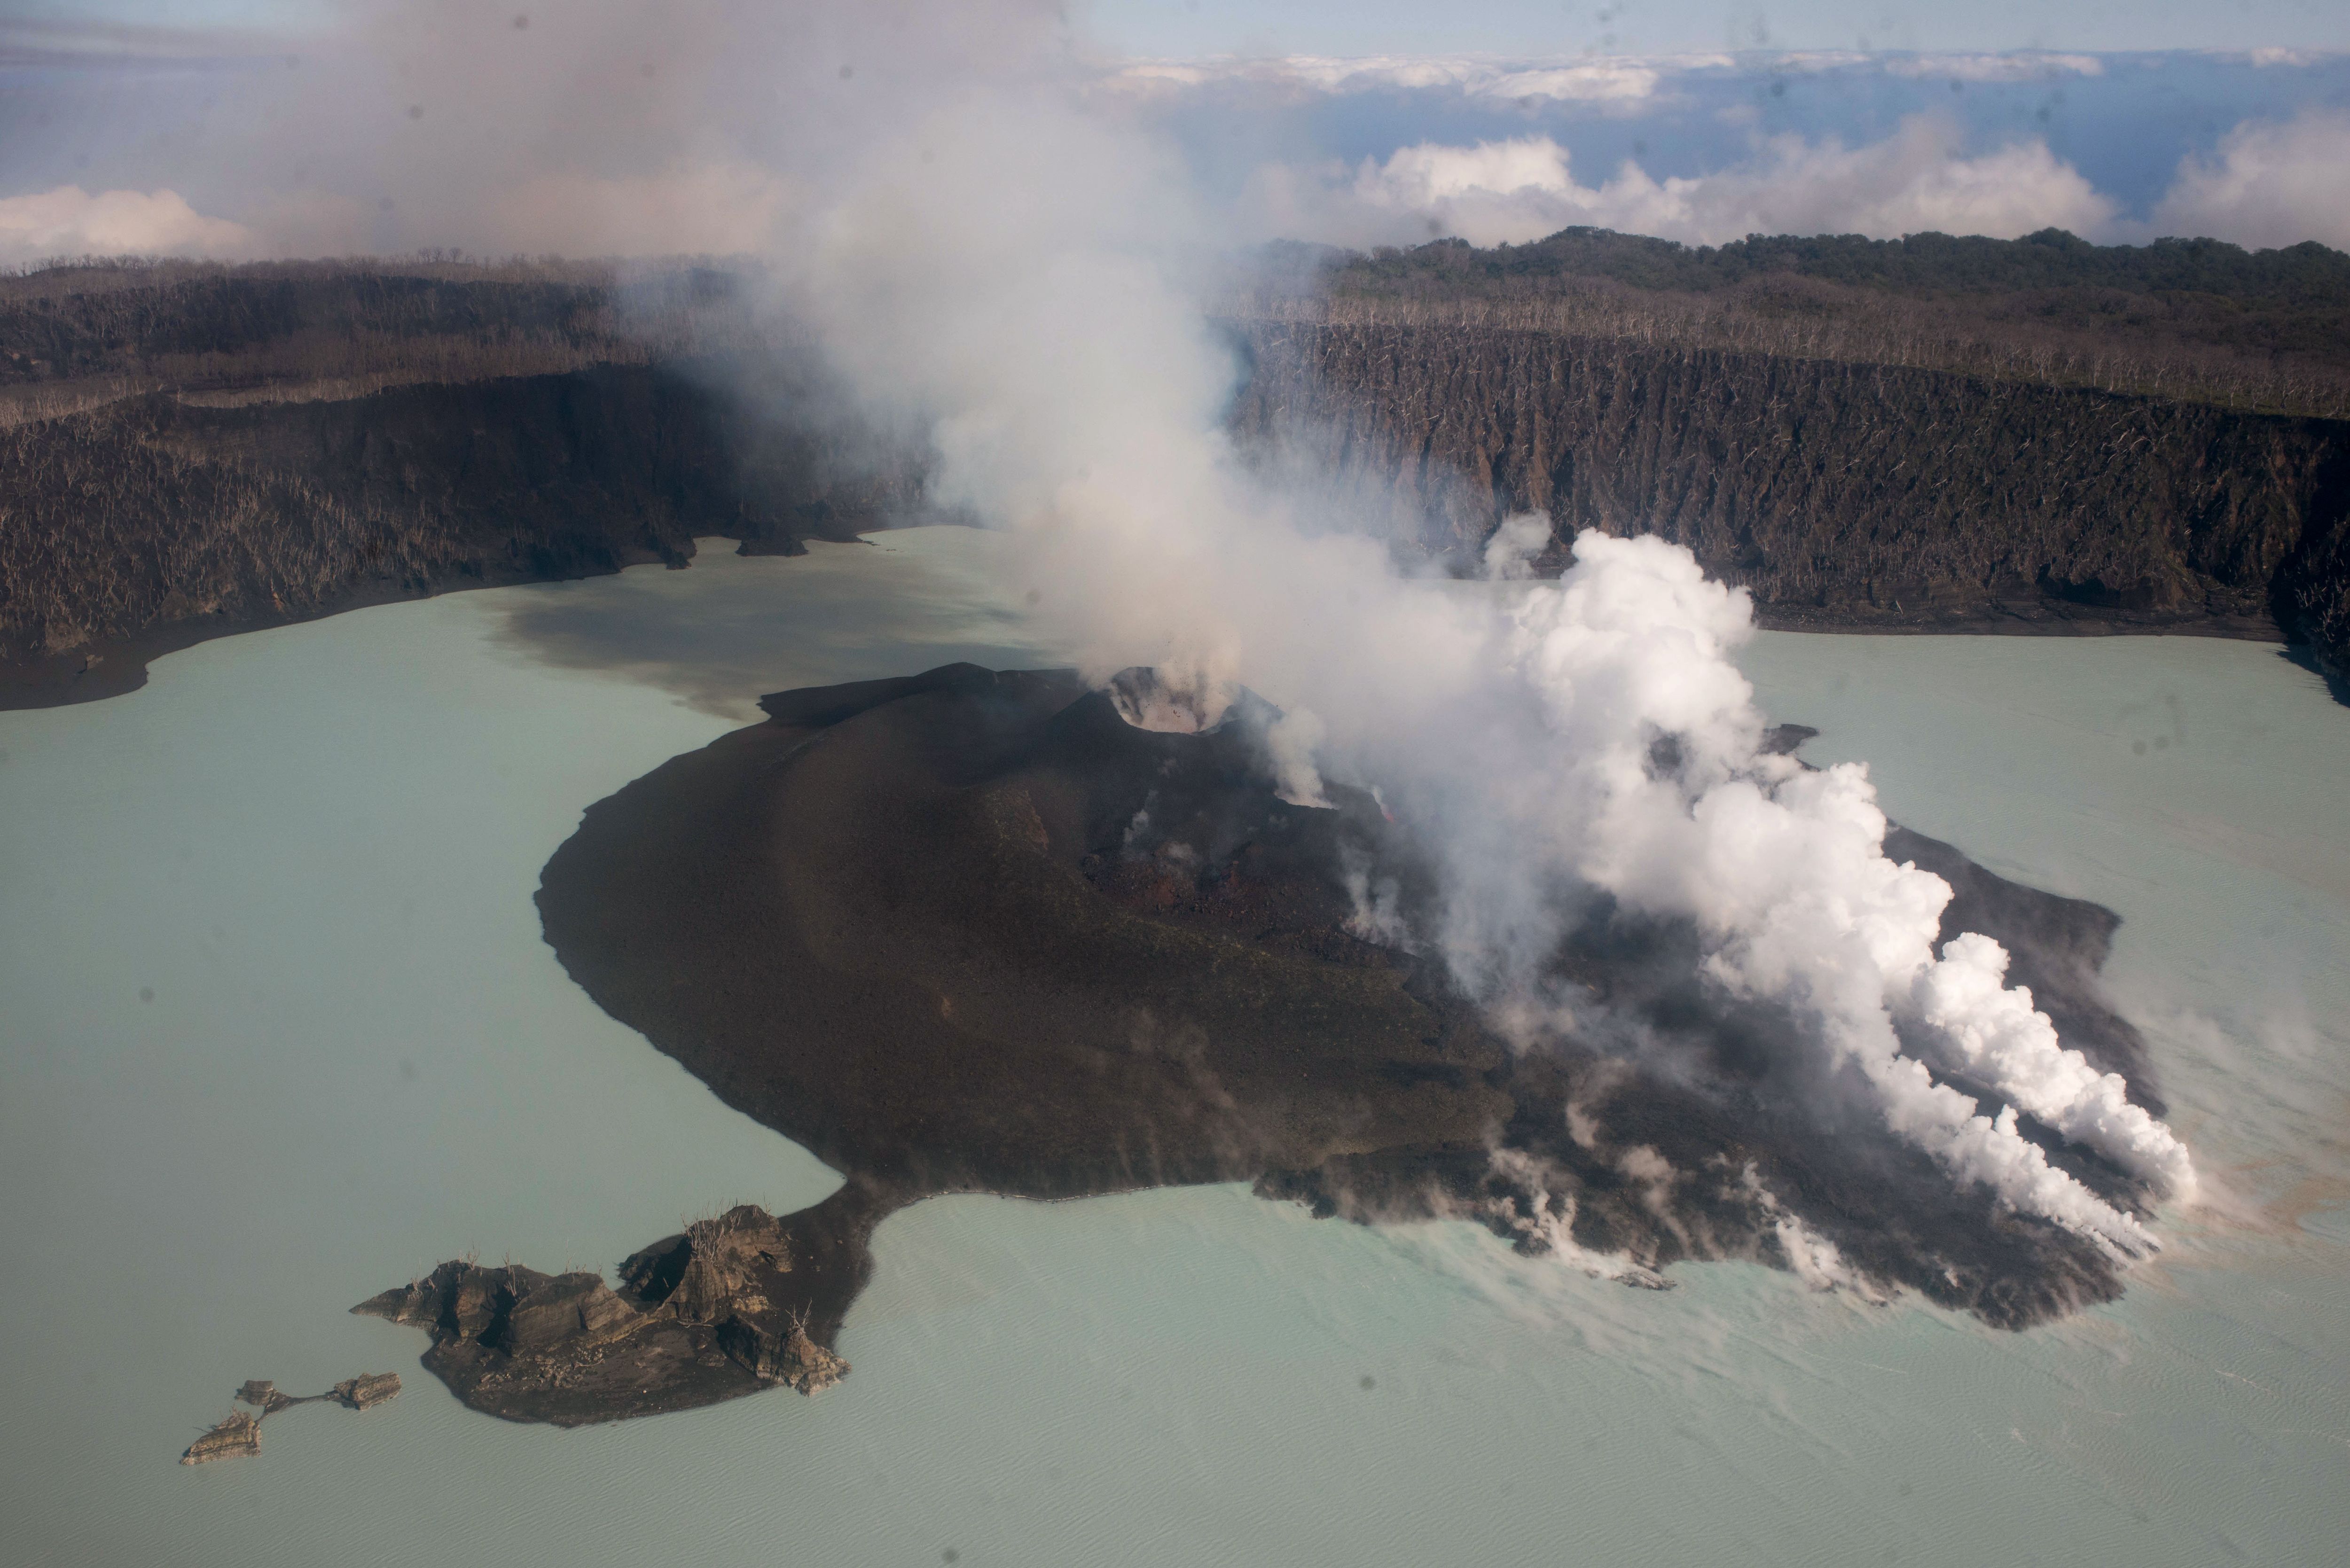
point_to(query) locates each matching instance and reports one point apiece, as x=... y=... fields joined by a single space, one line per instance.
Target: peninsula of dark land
x=975 y=931
x=1925 y=434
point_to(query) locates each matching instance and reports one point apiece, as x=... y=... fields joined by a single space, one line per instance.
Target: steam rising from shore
x=1552 y=742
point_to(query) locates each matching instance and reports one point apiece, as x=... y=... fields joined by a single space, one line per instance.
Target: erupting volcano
x=1013 y=932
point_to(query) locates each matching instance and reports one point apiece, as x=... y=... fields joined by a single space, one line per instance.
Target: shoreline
x=94 y=672
x=909 y=925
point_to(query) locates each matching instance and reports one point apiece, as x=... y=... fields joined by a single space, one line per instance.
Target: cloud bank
x=72 y=222
x=2270 y=184
x=594 y=128
x=1588 y=78
x=1622 y=83
x=1517 y=191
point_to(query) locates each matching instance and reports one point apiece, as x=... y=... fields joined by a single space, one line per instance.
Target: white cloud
x=2015 y=67
x=1607 y=81
x=1367 y=74
x=2270 y=184
x=1522 y=189
x=1612 y=79
x=1809 y=61
x=1485 y=183
x=71 y=221
x=2292 y=59
x=1618 y=80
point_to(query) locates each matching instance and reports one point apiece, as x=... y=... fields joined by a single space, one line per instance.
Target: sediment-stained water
x=277 y=1031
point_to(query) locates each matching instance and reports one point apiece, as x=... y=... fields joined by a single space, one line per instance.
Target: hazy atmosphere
x=1680 y=670
x=243 y=130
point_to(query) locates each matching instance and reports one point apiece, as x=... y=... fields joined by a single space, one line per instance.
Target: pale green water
x=317 y=846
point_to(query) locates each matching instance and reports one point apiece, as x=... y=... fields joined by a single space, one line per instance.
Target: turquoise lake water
x=277 y=1031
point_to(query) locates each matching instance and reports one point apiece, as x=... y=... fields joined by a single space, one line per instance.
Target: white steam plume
x=1010 y=267
x=1990 y=1032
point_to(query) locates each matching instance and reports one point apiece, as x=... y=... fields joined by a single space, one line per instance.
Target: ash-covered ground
x=972 y=931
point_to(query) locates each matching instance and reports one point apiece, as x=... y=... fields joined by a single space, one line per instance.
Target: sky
x=1195 y=27
x=1189 y=28
x=247 y=128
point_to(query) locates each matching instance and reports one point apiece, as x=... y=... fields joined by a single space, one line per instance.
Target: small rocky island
x=731 y=1305
x=977 y=931
x=239 y=1433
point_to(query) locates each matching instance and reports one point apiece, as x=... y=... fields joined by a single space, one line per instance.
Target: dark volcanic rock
x=1847 y=495
x=240 y=1433
x=969 y=930
x=237 y=1435
x=925 y=988
x=368 y=1390
x=731 y=1305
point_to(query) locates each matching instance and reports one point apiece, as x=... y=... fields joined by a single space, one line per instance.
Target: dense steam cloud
x=1550 y=742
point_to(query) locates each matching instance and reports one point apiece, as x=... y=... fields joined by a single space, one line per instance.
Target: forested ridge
x=2190 y=321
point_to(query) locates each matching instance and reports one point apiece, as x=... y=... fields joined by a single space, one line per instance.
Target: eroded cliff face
x=151 y=522
x=1845 y=495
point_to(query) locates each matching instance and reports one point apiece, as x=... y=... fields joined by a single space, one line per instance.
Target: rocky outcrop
x=240 y=1433
x=237 y=1435
x=790 y=1357
x=1845 y=495
x=727 y=1274
x=368 y=1390
x=733 y=1303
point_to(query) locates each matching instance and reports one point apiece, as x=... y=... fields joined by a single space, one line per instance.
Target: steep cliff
x=1845 y=495
x=1851 y=495
x=149 y=522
